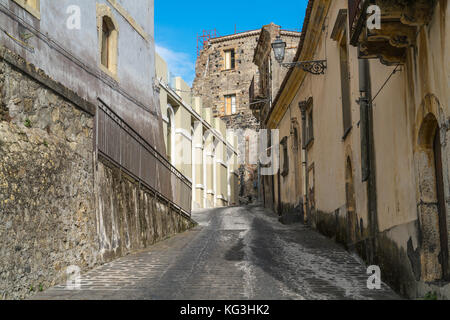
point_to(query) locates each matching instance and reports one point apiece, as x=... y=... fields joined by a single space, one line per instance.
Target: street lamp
x=279 y=49
x=314 y=67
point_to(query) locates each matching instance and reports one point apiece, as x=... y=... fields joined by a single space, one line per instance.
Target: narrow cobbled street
x=234 y=253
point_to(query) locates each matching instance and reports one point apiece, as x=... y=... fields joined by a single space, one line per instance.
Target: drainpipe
x=270 y=89
x=304 y=164
x=368 y=153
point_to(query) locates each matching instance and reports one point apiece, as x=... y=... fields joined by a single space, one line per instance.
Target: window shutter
x=233 y=104
x=233 y=59
x=345 y=86
x=227 y=60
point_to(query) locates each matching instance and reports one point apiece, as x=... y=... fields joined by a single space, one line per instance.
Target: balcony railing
x=257 y=99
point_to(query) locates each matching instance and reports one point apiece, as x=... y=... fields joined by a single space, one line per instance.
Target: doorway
x=432 y=206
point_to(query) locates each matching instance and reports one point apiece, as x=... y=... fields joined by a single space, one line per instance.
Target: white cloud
x=179 y=63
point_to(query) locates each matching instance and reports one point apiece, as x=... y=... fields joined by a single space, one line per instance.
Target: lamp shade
x=279 y=48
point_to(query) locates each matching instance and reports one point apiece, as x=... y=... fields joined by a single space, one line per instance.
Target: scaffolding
x=203 y=39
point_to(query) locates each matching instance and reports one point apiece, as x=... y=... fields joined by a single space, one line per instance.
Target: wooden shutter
x=227 y=60
x=233 y=104
x=233 y=59
x=228 y=105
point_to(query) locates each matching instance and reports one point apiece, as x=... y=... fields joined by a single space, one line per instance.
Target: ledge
x=40 y=76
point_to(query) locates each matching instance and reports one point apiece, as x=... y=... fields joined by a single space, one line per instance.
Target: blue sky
x=178 y=22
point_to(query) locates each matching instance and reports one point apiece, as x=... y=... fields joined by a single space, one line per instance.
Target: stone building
x=224 y=73
x=83 y=173
x=197 y=144
x=374 y=130
x=263 y=89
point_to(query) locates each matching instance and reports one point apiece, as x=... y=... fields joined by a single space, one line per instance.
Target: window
x=306 y=108
x=345 y=85
x=230 y=104
x=285 y=159
x=108 y=45
x=32 y=6
x=230 y=61
x=170 y=133
x=309 y=127
x=108 y=33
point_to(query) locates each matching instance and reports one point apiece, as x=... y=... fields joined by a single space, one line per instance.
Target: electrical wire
x=20 y=42
x=55 y=45
x=385 y=83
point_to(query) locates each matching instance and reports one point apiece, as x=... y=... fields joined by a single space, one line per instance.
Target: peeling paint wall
x=71 y=57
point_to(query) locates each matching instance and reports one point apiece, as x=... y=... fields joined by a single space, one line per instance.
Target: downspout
x=368 y=154
x=304 y=165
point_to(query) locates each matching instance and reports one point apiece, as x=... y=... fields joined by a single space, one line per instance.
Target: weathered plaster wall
x=291 y=190
x=71 y=57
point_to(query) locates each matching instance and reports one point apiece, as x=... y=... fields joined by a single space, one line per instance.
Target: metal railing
x=123 y=146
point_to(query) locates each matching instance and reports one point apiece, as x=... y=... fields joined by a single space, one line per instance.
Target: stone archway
x=431 y=204
x=350 y=203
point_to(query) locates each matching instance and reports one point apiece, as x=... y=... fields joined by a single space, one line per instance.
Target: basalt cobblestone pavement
x=234 y=253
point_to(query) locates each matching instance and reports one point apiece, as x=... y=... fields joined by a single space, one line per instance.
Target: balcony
x=400 y=21
x=256 y=98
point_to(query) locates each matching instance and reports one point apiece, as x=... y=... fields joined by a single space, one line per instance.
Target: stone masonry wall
x=58 y=207
x=47 y=220
x=130 y=217
x=212 y=82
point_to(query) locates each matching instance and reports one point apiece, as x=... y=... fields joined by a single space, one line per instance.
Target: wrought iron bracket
x=316 y=67
x=259 y=101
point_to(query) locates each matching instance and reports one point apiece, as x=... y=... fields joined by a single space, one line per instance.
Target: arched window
x=107 y=29
x=170 y=133
x=108 y=39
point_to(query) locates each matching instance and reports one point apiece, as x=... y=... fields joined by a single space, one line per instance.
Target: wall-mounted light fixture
x=314 y=67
